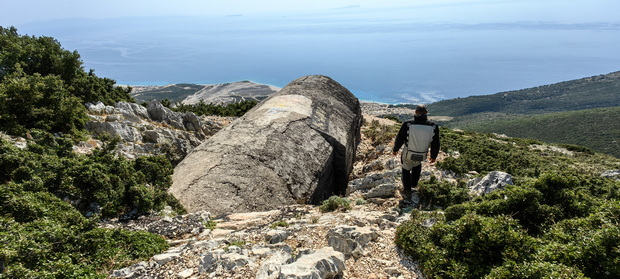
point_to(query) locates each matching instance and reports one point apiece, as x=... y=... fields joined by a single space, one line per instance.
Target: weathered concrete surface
x=296 y=146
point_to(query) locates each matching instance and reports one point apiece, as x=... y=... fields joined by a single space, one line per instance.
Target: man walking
x=417 y=135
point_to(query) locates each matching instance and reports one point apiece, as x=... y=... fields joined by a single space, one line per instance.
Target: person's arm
x=400 y=138
x=435 y=145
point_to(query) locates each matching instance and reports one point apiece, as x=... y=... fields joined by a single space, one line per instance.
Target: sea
x=392 y=61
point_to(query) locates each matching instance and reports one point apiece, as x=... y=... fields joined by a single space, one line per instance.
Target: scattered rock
x=615 y=174
x=170 y=227
x=386 y=190
x=162 y=259
x=270 y=268
x=324 y=263
x=372 y=180
x=185 y=273
x=239 y=221
x=275 y=236
x=350 y=240
x=493 y=181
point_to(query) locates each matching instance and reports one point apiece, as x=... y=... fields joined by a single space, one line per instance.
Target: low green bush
x=42 y=236
x=116 y=184
x=280 y=223
x=434 y=192
x=535 y=269
x=590 y=243
x=380 y=134
x=335 y=203
x=231 y=110
x=561 y=219
x=469 y=247
x=46 y=187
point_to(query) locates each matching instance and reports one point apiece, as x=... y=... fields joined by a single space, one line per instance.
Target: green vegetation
x=46 y=189
x=335 y=203
x=360 y=201
x=598 y=129
x=583 y=112
x=210 y=224
x=44 y=86
x=378 y=133
x=237 y=243
x=231 y=110
x=559 y=220
x=586 y=93
x=117 y=185
x=441 y=193
x=280 y=223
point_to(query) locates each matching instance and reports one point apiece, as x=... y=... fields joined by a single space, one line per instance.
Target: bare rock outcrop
x=495 y=180
x=149 y=130
x=296 y=146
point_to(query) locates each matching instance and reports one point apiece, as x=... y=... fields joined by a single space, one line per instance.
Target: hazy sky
x=566 y=11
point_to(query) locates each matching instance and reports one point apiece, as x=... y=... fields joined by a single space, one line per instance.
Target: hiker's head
x=421 y=110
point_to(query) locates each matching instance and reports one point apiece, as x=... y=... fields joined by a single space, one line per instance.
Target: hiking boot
x=405 y=203
x=406 y=199
x=406 y=195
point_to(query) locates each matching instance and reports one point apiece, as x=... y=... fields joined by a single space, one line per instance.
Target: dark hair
x=421 y=109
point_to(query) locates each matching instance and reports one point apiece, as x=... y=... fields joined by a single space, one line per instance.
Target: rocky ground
x=297 y=241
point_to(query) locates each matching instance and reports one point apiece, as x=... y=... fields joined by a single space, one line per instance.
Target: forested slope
x=597 y=129
x=586 y=93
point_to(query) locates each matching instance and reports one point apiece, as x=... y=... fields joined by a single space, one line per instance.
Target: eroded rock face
x=297 y=145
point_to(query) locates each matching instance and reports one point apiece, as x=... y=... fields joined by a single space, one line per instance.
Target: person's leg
x=415 y=176
x=406 y=179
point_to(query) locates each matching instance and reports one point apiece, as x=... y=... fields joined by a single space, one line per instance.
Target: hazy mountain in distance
x=187 y=93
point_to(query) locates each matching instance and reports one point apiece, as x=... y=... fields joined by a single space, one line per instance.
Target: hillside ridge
x=585 y=93
x=219 y=94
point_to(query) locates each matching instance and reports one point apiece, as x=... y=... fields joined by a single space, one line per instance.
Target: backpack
x=419 y=139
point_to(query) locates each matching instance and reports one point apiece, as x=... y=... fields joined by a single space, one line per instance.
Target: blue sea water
x=391 y=61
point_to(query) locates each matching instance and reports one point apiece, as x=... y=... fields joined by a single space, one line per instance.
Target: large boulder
x=296 y=146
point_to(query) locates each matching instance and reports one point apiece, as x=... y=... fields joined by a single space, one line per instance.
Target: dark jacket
x=401 y=138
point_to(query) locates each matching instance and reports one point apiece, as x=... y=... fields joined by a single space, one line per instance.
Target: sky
x=382 y=50
x=24 y=11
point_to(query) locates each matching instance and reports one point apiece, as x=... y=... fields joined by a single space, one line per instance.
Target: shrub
x=279 y=224
x=559 y=220
x=535 y=269
x=44 y=86
x=577 y=148
x=590 y=243
x=465 y=248
x=524 y=204
x=536 y=205
x=34 y=101
x=117 y=185
x=380 y=134
x=42 y=236
x=232 y=110
x=210 y=224
x=335 y=203
x=443 y=193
